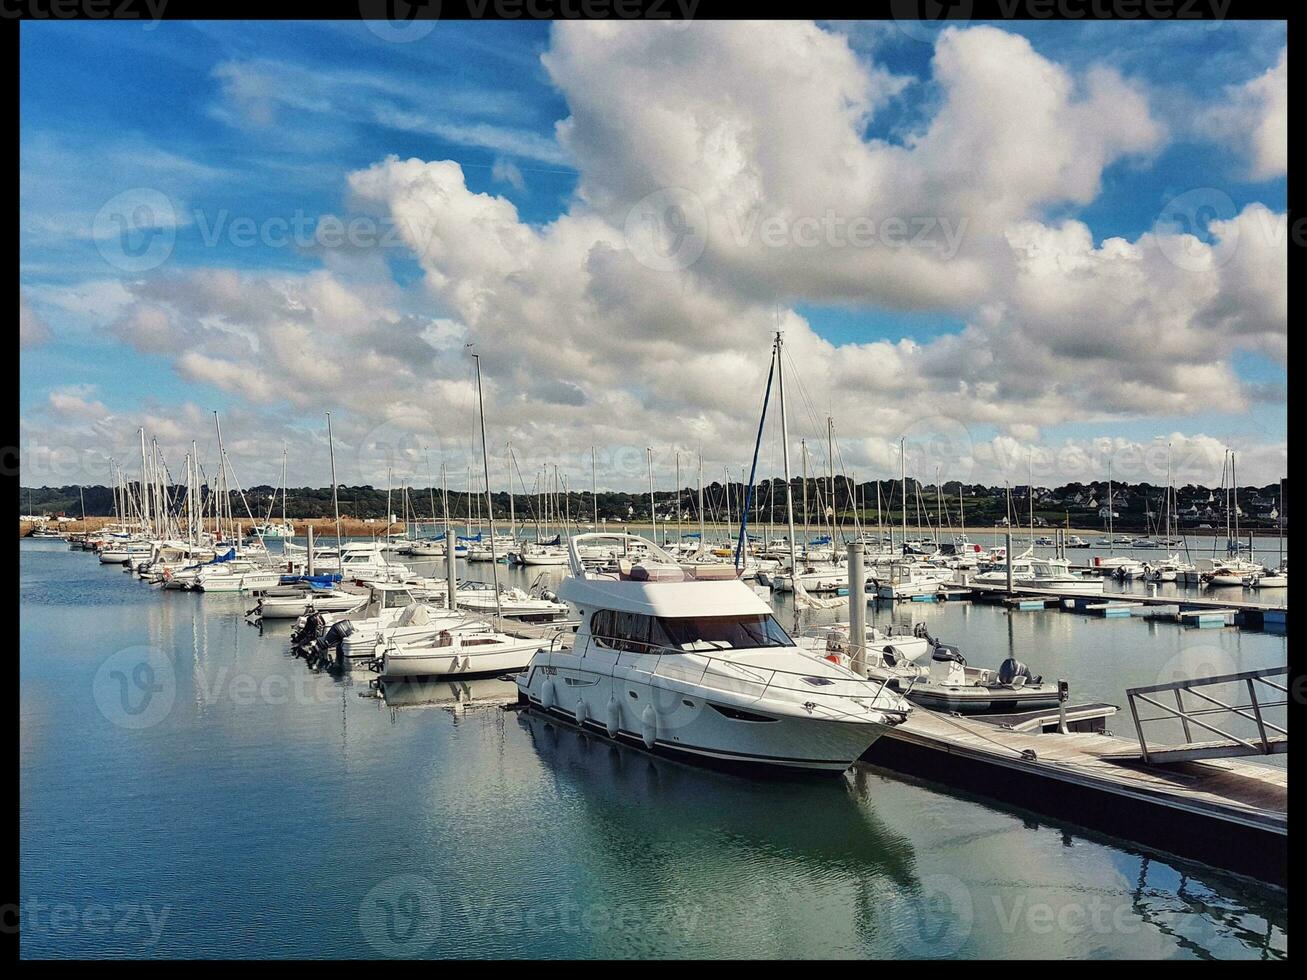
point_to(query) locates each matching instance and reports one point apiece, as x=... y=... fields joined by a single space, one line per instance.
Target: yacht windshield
x=639 y=634
x=722 y=632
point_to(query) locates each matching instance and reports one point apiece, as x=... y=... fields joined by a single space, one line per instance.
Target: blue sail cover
x=323 y=581
x=470 y=537
x=221 y=558
x=557 y=539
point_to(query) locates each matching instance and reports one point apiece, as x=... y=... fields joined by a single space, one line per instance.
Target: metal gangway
x=1198 y=712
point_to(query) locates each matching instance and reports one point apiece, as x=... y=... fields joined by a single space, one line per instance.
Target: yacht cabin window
x=638 y=633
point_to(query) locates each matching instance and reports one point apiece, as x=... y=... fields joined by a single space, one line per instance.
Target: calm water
x=249 y=808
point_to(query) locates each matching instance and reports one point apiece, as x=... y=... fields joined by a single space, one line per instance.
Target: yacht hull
x=840 y=752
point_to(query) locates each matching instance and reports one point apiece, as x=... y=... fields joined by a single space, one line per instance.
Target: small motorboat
x=462 y=654
x=1269 y=580
x=293 y=601
x=954 y=686
x=536 y=606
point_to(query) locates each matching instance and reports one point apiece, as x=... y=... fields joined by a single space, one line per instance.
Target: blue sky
x=184 y=109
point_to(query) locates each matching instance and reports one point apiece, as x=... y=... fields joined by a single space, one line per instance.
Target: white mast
x=703 y=538
x=653 y=513
x=145 y=501
x=594 y=489
x=903 y=466
x=785 y=455
x=335 y=500
x=485 y=464
x=283 y=485
x=512 y=508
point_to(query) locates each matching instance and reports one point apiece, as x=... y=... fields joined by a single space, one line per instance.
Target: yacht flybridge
x=689 y=661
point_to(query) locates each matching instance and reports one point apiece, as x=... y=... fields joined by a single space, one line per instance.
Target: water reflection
x=829 y=822
x=452 y=694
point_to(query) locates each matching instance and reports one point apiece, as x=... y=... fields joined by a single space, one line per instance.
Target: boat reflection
x=451 y=694
x=829 y=824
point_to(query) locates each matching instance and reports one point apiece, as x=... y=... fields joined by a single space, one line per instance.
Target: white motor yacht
x=1049 y=574
x=691 y=662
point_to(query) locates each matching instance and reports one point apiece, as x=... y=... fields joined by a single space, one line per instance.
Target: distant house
x=1103 y=512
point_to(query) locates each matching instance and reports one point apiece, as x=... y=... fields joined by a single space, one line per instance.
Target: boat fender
x=614 y=717
x=649 y=724
x=580 y=711
x=547 y=693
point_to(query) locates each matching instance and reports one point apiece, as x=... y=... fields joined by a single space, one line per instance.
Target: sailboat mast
x=145 y=502
x=903 y=467
x=1030 y=490
x=830 y=460
x=803 y=457
x=512 y=506
x=490 y=510
x=703 y=541
x=785 y=456
x=1111 y=534
x=594 y=489
x=335 y=499
x=653 y=516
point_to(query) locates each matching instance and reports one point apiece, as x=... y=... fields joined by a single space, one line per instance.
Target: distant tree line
x=1135 y=506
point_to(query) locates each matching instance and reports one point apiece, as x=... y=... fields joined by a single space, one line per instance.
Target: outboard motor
x=1012 y=669
x=313 y=627
x=316 y=651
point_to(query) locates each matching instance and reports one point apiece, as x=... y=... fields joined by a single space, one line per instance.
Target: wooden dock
x=1225 y=812
x=1201 y=612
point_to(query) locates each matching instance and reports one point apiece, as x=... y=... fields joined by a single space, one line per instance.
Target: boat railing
x=750 y=680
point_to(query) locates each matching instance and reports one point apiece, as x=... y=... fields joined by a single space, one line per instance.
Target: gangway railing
x=1271 y=739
